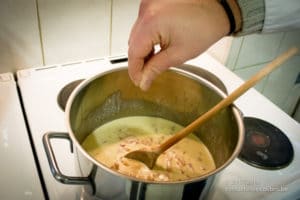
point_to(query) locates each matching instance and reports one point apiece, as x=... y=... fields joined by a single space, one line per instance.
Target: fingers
x=143 y=65
x=135 y=68
x=157 y=64
x=137 y=58
x=141 y=47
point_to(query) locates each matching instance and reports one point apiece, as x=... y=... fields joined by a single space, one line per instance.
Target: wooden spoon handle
x=228 y=100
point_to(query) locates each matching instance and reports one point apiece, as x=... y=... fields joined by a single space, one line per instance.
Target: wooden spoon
x=149 y=157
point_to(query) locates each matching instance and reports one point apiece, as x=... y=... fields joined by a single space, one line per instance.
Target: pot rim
x=236 y=112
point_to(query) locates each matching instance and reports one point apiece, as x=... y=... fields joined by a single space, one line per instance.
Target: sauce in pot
x=110 y=142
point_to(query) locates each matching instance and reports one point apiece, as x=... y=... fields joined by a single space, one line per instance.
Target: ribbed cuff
x=253 y=15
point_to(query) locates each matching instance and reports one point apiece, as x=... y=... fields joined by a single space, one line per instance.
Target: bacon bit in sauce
x=115 y=166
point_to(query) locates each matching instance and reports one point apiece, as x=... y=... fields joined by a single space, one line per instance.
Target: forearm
x=265 y=16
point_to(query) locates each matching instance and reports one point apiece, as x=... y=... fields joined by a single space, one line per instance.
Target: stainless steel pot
x=176 y=95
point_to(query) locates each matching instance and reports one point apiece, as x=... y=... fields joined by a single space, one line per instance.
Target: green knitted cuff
x=253 y=15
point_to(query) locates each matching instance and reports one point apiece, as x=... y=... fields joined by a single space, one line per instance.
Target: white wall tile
x=19 y=35
x=281 y=83
x=249 y=53
x=291 y=101
x=297 y=113
x=235 y=49
x=124 y=14
x=258 y=48
x=246 y=73
x=290 y=39
x=74 y=30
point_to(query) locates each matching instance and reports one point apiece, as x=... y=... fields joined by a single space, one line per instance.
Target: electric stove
x=43 y=104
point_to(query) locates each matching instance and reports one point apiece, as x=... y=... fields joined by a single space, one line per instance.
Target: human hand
x=183 y=29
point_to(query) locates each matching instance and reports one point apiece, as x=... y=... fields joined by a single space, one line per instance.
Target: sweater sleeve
x=281 y=15
x=253 y=15
x=269 y=16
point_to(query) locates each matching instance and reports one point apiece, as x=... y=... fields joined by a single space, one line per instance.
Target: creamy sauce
x=110 y=142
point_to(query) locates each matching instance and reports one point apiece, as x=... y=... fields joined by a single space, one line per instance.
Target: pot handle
x=53 y=164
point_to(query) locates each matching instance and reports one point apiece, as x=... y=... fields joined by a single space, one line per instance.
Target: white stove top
x=19 y=175
x=40 y=87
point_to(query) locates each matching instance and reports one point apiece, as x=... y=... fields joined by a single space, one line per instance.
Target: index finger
x=140 y=47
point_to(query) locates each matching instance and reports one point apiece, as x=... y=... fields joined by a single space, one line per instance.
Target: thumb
x=159 y=63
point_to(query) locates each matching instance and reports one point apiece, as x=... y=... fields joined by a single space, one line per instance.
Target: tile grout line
x=277 y=53
x=284 y=100
x=110 y=27
x=280 y=43
x=238 y=54
x=40 y=32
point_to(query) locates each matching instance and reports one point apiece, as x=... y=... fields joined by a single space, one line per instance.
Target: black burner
x=265 y=146
x=66 y=92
